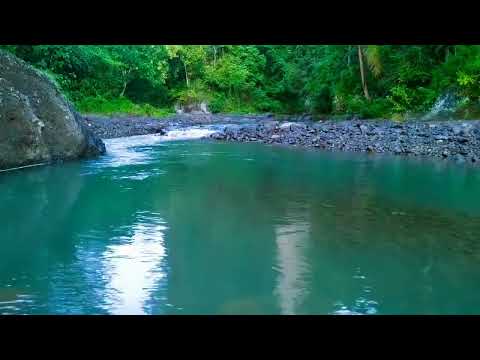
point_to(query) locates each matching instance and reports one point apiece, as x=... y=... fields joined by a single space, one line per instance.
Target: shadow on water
x=181 y=227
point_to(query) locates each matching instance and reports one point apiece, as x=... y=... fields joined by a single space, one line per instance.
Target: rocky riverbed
x=114 y=127
x=454 y=140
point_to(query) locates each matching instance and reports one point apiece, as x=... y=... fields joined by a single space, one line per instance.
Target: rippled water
x=195 y=227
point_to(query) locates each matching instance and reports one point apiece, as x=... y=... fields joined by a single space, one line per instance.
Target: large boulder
x=37 y=123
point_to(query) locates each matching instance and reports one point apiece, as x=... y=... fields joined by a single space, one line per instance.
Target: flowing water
x=199 y=227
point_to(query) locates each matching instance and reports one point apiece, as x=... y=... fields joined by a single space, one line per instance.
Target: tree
x=134 y=61
x=319 y=79
x=372 y=54
x=192 y=57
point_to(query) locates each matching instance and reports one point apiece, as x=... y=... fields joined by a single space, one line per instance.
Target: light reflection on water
x=135 y=266
x=13 y=303
x=293 y=268
x=294 y=272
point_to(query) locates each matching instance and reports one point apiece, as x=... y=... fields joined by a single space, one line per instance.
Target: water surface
x=199 y=227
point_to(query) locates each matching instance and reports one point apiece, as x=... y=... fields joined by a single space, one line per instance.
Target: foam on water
x=188 y=134
x=145 y=140
x=132 y=149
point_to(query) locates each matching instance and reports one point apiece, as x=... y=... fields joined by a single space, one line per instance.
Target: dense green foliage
x=361 y=80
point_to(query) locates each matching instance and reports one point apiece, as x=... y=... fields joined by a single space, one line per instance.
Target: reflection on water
x=292 y=285
x=12 y=302
x=135 y=266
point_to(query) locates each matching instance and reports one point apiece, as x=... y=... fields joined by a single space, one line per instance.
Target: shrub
x=100 y=105
x=359 y=106
x=196 y=93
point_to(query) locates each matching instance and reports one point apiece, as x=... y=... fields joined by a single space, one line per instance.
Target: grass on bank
x=119 y=106
x=124 y=106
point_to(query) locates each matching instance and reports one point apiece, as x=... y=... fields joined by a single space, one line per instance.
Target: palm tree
x=372 y=55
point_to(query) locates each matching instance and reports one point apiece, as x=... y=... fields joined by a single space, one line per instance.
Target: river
x=171 y=225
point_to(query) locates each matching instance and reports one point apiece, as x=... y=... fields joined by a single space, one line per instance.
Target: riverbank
x=113 y=127
x=453 y=140
x=459 y=141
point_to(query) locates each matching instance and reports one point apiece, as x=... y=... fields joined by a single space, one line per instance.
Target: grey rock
x=270 y=125
x=195 y=108
x=457 y=130
x=37 y=122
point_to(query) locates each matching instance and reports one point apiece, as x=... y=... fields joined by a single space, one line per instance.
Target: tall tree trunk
x=125 y=82
x=362 y=73
x=214 y=55
x=186 y=75
x=124 y=88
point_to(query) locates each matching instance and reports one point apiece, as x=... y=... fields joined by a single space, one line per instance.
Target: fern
x=374 y=60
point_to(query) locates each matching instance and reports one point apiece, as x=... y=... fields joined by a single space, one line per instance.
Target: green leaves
x=372 y=53
x=228 y=74
x=273 y=78
x=194 y=94
x=465 y=79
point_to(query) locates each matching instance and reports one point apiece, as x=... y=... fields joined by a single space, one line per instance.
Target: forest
x=365 y=81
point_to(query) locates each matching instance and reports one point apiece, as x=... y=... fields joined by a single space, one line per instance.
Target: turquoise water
x=196 y=227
